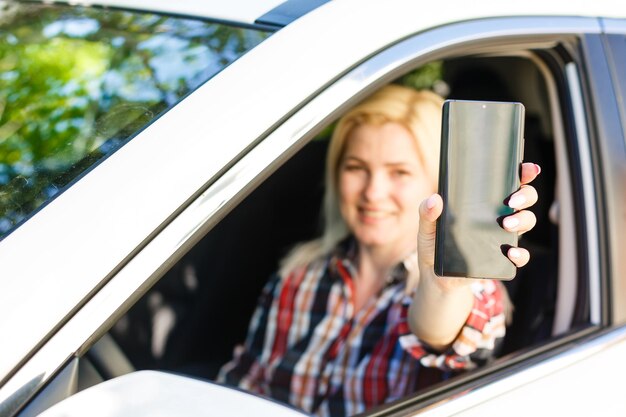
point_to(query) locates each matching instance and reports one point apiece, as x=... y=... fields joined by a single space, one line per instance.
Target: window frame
x=606 y=91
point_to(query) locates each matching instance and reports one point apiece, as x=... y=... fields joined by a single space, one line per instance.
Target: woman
x=358 y=317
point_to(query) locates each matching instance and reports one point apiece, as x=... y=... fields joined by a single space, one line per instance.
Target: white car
x=158 y=158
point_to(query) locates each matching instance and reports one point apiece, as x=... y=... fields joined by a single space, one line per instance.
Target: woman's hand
x=521 y=222
x=441 y=306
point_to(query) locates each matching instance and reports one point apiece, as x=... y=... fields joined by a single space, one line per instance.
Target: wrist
x=440 y=309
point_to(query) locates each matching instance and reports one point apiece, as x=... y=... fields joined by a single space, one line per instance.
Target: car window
x=190 y=321
x=177 y=318
x=77 y=83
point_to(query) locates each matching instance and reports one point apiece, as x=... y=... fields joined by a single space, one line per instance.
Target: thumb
x=430 y=210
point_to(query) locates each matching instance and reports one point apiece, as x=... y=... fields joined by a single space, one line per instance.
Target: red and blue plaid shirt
x=306 y=345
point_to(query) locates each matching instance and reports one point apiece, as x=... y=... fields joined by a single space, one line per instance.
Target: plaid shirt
x=308 y=347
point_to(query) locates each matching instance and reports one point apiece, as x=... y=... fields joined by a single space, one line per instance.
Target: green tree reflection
x=76 y=83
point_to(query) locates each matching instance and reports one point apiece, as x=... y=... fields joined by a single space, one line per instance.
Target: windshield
x=77 y=83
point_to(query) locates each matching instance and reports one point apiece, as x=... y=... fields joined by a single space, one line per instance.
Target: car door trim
x=591 y=215
x=471 y=394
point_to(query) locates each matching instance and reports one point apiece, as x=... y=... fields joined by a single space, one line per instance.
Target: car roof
x=280 y=13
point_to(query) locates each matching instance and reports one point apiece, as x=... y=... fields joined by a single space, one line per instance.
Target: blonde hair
x=419 y=112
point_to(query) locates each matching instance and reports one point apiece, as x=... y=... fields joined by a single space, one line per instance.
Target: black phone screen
x=481 y=153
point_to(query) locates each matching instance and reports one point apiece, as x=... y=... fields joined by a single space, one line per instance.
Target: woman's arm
x=441 y=306
x=437 y=315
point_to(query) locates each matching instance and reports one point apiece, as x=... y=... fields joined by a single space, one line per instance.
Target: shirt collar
x=346 y=253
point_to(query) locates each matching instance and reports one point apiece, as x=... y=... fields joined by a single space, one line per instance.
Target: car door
x=158 y=215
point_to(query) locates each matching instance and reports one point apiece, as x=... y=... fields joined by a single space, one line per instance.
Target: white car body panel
x=31 y=306
x=587 y=386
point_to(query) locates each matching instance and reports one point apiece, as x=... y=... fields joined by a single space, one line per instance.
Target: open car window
x=191 y=320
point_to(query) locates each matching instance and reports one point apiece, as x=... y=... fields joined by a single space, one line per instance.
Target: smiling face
x=381 y=183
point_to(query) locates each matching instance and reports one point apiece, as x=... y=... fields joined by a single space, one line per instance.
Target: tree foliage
x=76 y=83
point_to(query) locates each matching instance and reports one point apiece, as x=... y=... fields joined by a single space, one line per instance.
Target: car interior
x=191 y=319
x=181 y=323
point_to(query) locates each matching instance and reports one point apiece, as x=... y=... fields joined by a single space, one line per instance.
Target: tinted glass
x=76 y=83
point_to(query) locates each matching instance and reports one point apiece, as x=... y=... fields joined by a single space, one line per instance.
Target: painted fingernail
x=510 y=222
x=431 y=202
x=515 y=253
x=517 y=201
x=538 y=169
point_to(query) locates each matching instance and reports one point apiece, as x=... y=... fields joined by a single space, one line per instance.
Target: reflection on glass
x=481 y=157
x=76 y=83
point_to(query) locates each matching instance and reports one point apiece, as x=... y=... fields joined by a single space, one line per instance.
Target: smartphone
x=481 y=154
